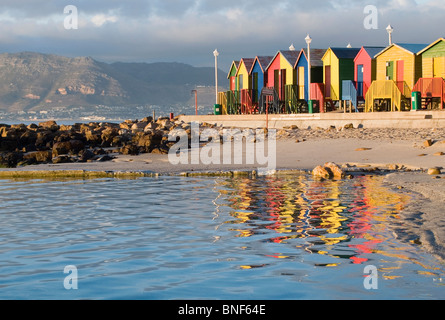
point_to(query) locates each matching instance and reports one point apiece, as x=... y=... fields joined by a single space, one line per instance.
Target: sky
x=188 y=31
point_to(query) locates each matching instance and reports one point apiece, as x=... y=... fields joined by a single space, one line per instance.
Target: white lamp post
x=308 y=41
x=390 y=29
x=216 y=54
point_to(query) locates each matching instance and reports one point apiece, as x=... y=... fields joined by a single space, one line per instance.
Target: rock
x=63 y=159
x=337 y=172
x=28 y=137
x=434 y=171
x=93 y=138
x=10 y=159
x=129 y=149
x=108 y=136
x=321 y=171
x=50 y=125
x=68 y=147
x=159 y=150
x=86 y=155
x=44 y=137
x=393 y=167
x=439 y=154
x=363 y=149
x=106 y=158
x=138 y=127
x=151 y=126
x=328 y=170
x=39 y=157
x=349 y=126
x=428 y=143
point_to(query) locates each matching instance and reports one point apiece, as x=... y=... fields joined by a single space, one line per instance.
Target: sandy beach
x=402 y=154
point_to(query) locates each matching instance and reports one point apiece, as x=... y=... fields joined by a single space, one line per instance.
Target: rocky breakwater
x=49 y=142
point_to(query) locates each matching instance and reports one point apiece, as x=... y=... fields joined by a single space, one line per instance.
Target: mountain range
x=34 y=82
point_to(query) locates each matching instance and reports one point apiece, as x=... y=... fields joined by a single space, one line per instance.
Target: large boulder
x=10 y=159
x=38 y=157
x=328 y=171
x=49 y=125
x=68 y=147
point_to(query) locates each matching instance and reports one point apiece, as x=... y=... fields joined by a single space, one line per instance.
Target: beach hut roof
x=248 y=62
x=235 y=64
x=410 y=47
x=291 y=56
x=345 y=53
x=316 y=56
x=431 y=45
x=372 y=51
x=263 y=62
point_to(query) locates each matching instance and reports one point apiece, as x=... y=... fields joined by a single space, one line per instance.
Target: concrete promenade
x=412 y=119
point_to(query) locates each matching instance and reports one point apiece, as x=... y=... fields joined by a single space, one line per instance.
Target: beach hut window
x=390 y=70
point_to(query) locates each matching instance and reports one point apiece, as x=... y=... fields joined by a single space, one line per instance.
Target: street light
x=216 y=54
x=390 y=29
x=308 y=40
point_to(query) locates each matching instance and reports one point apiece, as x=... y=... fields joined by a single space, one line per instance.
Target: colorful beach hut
x=259 y=76
x=398 y=67
x=431 y=87
x=301 y=67
x=244 y=84
x=433 y=59
x=281 y=76
x=230 y=100
x=232 y=75
x=338 y=64
x=365 y=69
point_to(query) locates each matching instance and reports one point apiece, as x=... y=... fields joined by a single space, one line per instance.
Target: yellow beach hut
x=338 y=64
x=429 y=91
x=245 y=84
x=398 y=67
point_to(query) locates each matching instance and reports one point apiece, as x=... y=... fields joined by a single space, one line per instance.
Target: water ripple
x=182 y=237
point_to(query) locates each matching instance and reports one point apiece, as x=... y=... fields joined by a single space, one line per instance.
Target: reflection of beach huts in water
x=398 y=69
x=338 y=64
x=430 y=89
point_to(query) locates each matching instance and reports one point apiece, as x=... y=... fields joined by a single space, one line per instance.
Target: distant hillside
x=33 y=82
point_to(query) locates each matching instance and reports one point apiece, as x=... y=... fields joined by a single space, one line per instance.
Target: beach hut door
x=439 y=67
x=400 y=70
x=360 y=70
x=327 y=74
x=301 y=83
x=255 y=86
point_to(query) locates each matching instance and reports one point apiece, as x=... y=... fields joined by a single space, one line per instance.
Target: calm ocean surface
x=275 y=237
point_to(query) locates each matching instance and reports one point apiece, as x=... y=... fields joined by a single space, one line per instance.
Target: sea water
x=278 y=237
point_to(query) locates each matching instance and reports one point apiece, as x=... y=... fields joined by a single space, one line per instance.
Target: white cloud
x=100 y=19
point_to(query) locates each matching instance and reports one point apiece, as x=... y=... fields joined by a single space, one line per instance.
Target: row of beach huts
x=400 y=77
